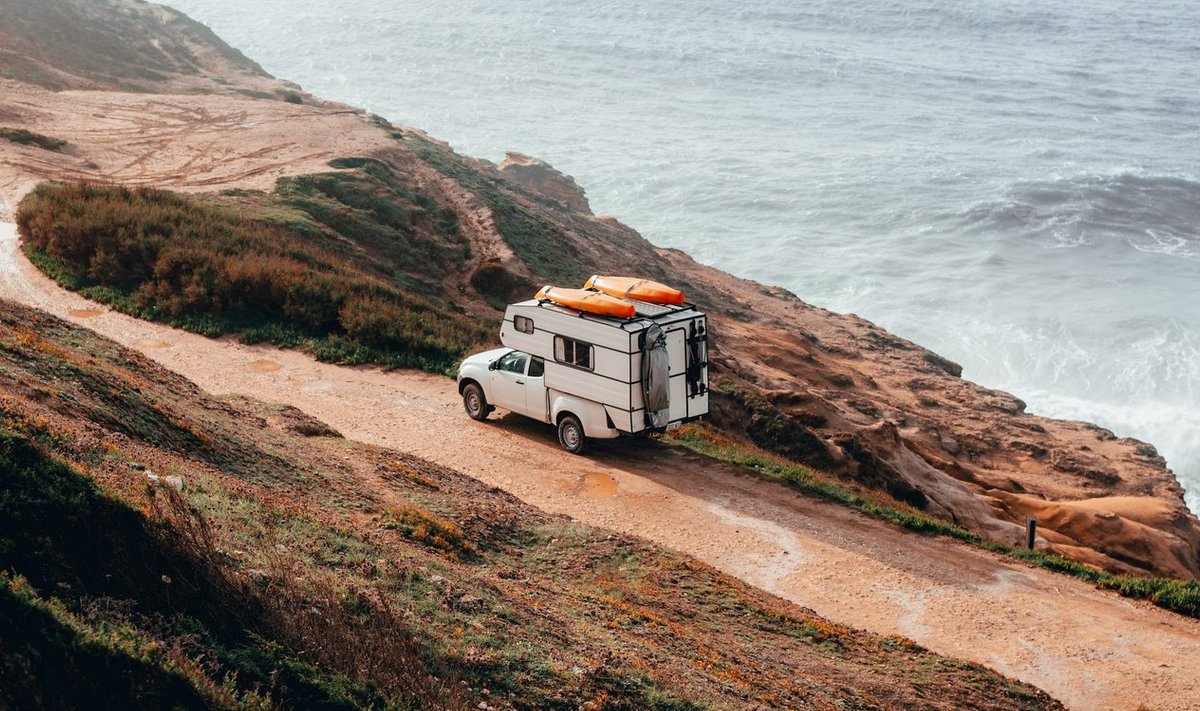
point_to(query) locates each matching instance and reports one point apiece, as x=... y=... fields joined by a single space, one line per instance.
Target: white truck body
x=603 y=370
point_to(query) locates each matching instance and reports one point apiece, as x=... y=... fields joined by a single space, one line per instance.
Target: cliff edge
x=832 y=391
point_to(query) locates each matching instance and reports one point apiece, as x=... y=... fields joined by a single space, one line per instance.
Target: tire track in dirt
x=1090 y=648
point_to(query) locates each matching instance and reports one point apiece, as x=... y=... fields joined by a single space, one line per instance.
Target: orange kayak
x=634 y=288
x=592 y=302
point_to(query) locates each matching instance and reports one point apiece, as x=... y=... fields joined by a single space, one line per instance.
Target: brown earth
x=1089 y=648
x=377 y=564
x=831 y=390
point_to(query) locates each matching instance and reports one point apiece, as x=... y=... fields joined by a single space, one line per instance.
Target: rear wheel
x=570 y=434
x=474 y=402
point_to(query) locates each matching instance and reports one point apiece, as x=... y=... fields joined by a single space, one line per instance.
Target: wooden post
x=1030 y=531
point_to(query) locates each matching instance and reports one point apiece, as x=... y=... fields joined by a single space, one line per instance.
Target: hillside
x=306 y=568
x=831 y=391
x=192 y=191
x=120 y=44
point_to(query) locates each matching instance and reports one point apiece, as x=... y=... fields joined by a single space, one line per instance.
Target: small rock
x=170 y=480
x=137 y=466
x=257 y=577
x=469 y=603
x=436 y=579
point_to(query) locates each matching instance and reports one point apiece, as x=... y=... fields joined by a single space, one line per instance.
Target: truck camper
x=623 y=356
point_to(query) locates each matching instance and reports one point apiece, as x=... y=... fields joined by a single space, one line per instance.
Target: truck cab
x=515 y=381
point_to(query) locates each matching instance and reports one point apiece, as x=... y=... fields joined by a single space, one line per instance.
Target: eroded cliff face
x=128 y=45
x=838 y=393
x=541 y=178
x=830 y=390
x=894 y=415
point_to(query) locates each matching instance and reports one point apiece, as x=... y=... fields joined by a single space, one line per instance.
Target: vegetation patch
x=273 y=580
x=537 y=241
x=29 y=138
x=1182 y=596
x=346 y=263
x=419 y=525
x=101 y=605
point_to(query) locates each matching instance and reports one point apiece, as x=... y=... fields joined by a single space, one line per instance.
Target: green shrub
x=29 y=138
x=357 y=285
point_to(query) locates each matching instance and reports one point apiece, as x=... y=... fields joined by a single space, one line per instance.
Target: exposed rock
x=1086 y=467
x=1130 y=533
x=944 y=364
x=540 y=177
x=959 y=443
x=492 y=278
x=172 y=481
x=295 y=420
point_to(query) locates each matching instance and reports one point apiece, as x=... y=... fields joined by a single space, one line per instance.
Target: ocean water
x=1014 y=184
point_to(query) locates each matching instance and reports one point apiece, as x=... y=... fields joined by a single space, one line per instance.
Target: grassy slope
x=350 y=262
x=306 y=570
x=63 y=44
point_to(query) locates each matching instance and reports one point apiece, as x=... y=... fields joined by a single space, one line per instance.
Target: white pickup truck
x=590 y=375
x=516 y=382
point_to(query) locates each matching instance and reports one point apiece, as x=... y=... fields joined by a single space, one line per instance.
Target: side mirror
x=493 y=365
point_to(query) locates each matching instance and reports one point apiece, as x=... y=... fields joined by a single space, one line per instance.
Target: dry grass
x=317 y=571
x=207 y=267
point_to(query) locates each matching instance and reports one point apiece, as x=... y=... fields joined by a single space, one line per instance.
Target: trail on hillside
x=1090 y=648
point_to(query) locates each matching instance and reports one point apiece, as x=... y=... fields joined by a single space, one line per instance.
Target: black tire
x=475 y=403
x=570 y=435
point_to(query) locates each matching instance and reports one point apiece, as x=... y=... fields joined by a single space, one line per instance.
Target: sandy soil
x=181 y=142
x=1091 y=649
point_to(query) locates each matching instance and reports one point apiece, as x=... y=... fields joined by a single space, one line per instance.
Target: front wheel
x=474 y=402
x=570 y=435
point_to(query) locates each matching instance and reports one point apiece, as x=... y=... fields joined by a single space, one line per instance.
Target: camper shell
x=646 y=373
x=592 y=374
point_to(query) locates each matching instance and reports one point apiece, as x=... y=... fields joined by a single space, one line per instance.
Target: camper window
x=573 y=352
x=524 y=324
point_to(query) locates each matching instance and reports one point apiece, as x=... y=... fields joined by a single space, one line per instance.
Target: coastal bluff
x=183 y=111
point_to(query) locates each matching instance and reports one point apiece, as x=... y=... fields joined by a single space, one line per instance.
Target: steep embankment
x=1092 y=649
x=121 y=44
x=832 y=391
x=307 y=556
x=829 y=390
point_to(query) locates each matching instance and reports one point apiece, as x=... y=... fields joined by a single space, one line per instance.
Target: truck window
x=537 y=367
x=513 y=362
x=573 y=352
x=524 y=324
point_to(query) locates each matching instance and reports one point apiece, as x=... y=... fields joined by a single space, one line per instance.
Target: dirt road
x=1091 y=649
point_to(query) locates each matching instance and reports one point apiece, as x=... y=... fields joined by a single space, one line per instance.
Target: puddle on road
x=153 y=344
x=264 y=366
x=85 y=313
x=597 y=485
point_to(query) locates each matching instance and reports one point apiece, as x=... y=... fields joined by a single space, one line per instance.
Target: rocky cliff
x=832 y=391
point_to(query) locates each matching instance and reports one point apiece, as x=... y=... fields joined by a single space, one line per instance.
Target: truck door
x=536 y=404
x=508 y=382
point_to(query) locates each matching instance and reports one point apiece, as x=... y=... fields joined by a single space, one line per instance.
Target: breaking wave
x=1152 y=213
